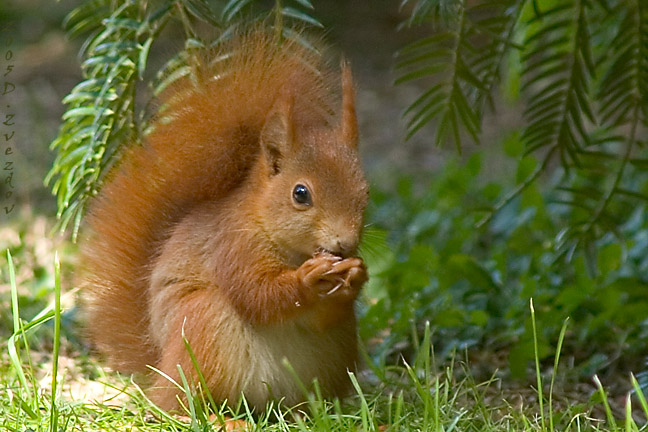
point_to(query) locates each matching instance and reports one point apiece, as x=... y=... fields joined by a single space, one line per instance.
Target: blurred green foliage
x=580 y=72
x=474 y=284
x=28 y=239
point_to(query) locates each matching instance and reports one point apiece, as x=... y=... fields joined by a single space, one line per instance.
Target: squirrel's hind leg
x=193 y=316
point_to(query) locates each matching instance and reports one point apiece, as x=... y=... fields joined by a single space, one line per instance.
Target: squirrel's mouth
x=339 y=254
x=321 y=250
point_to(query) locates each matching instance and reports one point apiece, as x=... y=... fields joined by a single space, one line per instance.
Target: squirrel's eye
x=301 y=195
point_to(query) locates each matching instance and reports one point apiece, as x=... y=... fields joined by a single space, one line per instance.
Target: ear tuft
x=277 y=133
x=348 y=122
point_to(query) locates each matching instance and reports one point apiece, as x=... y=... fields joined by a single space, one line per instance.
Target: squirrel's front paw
x=331 y=276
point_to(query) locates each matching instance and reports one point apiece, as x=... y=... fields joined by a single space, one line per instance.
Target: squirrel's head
x=315 y=192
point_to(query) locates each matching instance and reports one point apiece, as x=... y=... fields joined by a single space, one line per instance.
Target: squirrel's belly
x=325 y=356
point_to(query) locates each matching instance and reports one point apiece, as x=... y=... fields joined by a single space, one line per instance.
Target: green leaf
x=420 y=73
x=86 y=18
x=171 y=78
x=143 y=57
x=306 y=3
x=79 y=97
x=121 y=23
x=300 y=16
x=609 y=258
x=201 y=10
x=479 y=318
x=82 y=111
x=512 y=144
x=233 y=8
x=526 y=166
x=465 y=266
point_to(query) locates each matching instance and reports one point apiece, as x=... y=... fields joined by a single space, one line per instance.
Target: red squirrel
x=237 y=224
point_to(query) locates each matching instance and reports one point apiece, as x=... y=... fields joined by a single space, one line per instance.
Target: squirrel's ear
x=348 y=122
x=277 y=133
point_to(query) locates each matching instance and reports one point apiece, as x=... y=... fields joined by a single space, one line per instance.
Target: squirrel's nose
x=344 y=248
x=341 y=239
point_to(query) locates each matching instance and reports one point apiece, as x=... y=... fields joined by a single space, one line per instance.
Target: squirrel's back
x=204 y=141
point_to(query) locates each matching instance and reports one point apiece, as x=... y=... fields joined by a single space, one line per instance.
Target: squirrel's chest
x=271 y=361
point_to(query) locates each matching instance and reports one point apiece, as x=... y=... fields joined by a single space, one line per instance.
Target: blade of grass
x=321 y=418
x=196 y=366
x=640 y=394
x=398 y=411
x=14 y=293
x=537 y=365
x=167 y=376
x=295 y=376
x=57 y=341
x=26 y=408
x=364 y=406
x=14 y=354
x=561 y=338
x=423 y=360
x=628 y=415
x=606 y=404
x=190 y=400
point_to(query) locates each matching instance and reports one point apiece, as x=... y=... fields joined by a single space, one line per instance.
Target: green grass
x=39 y=367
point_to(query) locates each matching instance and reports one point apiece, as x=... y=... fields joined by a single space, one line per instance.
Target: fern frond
x=86 y=18
x=101 y=114
x=623 y=97
x=498 y=22
x=184 y=63
x=445 y=98
x=296 y=12
x=557 y=70
x=287 y=15
x=461 y=61
x=434 y=11
x=624 y=87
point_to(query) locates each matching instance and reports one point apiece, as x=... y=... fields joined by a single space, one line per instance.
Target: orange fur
x=198 y=230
